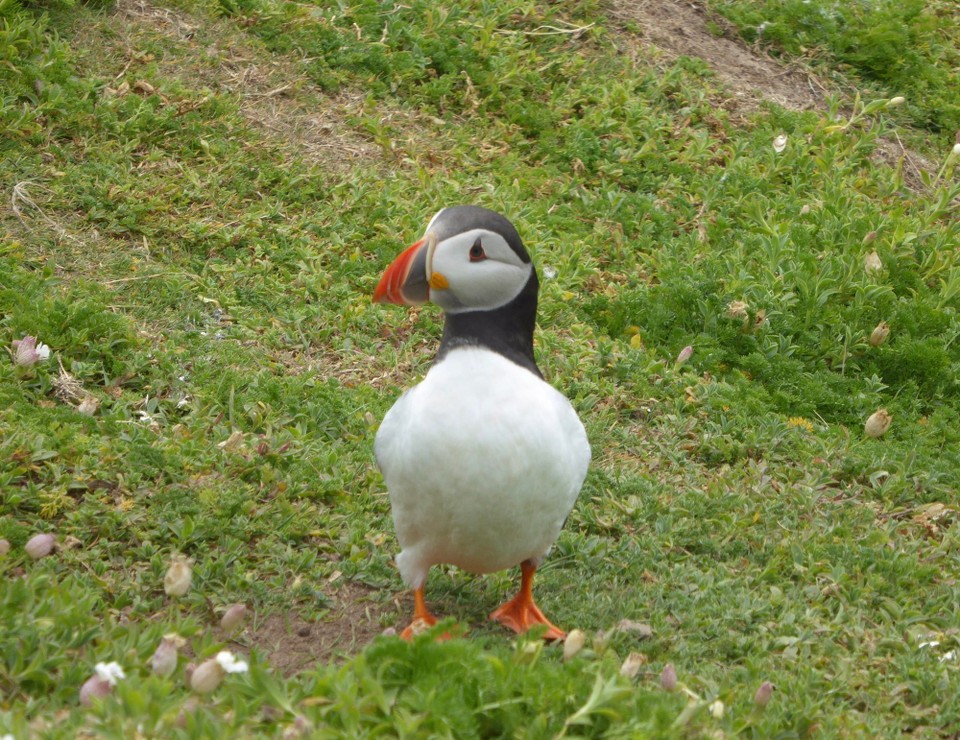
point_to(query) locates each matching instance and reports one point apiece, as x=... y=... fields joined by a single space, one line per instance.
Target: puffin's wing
x=389 y=440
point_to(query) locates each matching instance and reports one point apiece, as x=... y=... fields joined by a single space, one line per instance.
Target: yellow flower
x=799 y=421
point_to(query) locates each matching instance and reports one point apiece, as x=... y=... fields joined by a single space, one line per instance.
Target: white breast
x=483 y=462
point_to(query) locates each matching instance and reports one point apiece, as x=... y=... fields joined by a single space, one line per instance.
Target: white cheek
x=478 y=285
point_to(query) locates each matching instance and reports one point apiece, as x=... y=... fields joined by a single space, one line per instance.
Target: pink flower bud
x=685 y=354
x=40 y=545
x=872 y=263
x=668 y=678
x=95 y=686
x=164 y=660
x=234 y=617
x=4 y=547
x=28 y=351
x=207 y=676
x=762 y=697
x=101 y=683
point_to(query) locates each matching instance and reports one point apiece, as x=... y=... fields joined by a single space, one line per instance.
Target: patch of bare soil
x=273 y=91
x=674 y=28
x=680 y=28
x=293 y=643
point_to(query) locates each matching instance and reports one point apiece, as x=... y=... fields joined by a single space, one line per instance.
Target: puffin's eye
x=476 y=252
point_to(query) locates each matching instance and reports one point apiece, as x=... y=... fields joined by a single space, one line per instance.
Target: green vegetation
x=898 y=47
x=203 y=196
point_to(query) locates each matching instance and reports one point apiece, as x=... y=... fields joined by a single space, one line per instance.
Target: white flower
x=780 y=143
x=549 y=272
x=956 y=150
x=110 y=672
x=230 y=664
x=717 y=709
x=952 y=655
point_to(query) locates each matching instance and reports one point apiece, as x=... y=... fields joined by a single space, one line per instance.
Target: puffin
x=483 y=459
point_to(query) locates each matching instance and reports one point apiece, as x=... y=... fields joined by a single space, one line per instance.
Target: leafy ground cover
x=201 y=199
x=908 y=48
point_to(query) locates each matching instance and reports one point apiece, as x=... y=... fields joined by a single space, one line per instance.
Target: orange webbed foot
x=521 y=612
x=420 y=625
x=422 y=619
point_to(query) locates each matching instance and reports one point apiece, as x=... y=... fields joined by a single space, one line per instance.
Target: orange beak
x=405 y=281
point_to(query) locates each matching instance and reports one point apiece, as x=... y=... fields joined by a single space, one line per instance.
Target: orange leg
x=521 y=613
x=422 y=618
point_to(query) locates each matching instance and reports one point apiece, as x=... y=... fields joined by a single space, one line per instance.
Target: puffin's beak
x=405 y=281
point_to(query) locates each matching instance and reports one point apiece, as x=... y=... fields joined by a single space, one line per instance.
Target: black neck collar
x=507 y=330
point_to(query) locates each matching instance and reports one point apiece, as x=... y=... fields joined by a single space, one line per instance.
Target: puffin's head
x=469 y=259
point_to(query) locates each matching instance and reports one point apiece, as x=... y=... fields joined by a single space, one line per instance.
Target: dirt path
x=680 y=28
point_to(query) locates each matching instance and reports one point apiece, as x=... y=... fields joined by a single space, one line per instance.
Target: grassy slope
x=209 y=280
x=893 y=47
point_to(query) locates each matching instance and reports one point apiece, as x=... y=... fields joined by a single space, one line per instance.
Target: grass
x=898 y=48
x=208 y=283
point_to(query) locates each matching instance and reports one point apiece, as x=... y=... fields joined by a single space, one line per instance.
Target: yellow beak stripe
x=438 y=281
